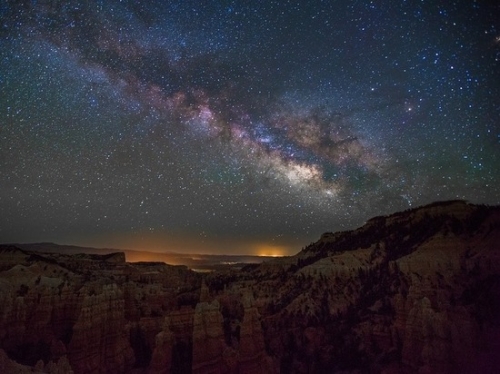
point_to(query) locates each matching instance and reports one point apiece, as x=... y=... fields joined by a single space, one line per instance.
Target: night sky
x=240 y=126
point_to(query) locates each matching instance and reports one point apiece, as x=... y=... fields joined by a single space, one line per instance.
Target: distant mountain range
x=413 y=292
x=197 y=262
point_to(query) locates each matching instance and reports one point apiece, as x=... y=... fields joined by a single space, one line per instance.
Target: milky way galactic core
x=228 y=126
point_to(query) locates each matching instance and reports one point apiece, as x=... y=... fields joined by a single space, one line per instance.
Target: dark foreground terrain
x=414 y=292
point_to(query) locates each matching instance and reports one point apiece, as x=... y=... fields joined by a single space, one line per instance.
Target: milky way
x=234 y=126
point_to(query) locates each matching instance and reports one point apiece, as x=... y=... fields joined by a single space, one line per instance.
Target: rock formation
x=413 y=292
x=86 y=313
x=208 y=338
x=252 y=355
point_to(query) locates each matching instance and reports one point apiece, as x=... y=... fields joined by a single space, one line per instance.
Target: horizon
x=213 y=248
x=158 y=252
x=221 y=128
x=403 y=283
x=265 y=251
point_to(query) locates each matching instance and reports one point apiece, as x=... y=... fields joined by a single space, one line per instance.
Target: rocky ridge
x=413 y=292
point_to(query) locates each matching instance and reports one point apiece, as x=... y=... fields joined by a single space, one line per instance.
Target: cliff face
x=90 y=313
x=208 y=338
x=99 y=340
x=414 y=292
x=99 y=314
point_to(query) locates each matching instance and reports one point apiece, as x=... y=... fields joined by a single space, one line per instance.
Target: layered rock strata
x=413 y=292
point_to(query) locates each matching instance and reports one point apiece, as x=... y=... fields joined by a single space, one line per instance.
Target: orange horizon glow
x=271 y=250
x=163 y=244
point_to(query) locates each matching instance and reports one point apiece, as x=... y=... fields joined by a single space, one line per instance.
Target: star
x=240 y=121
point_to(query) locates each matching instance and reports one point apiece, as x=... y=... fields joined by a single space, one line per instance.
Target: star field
x=233 y=126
